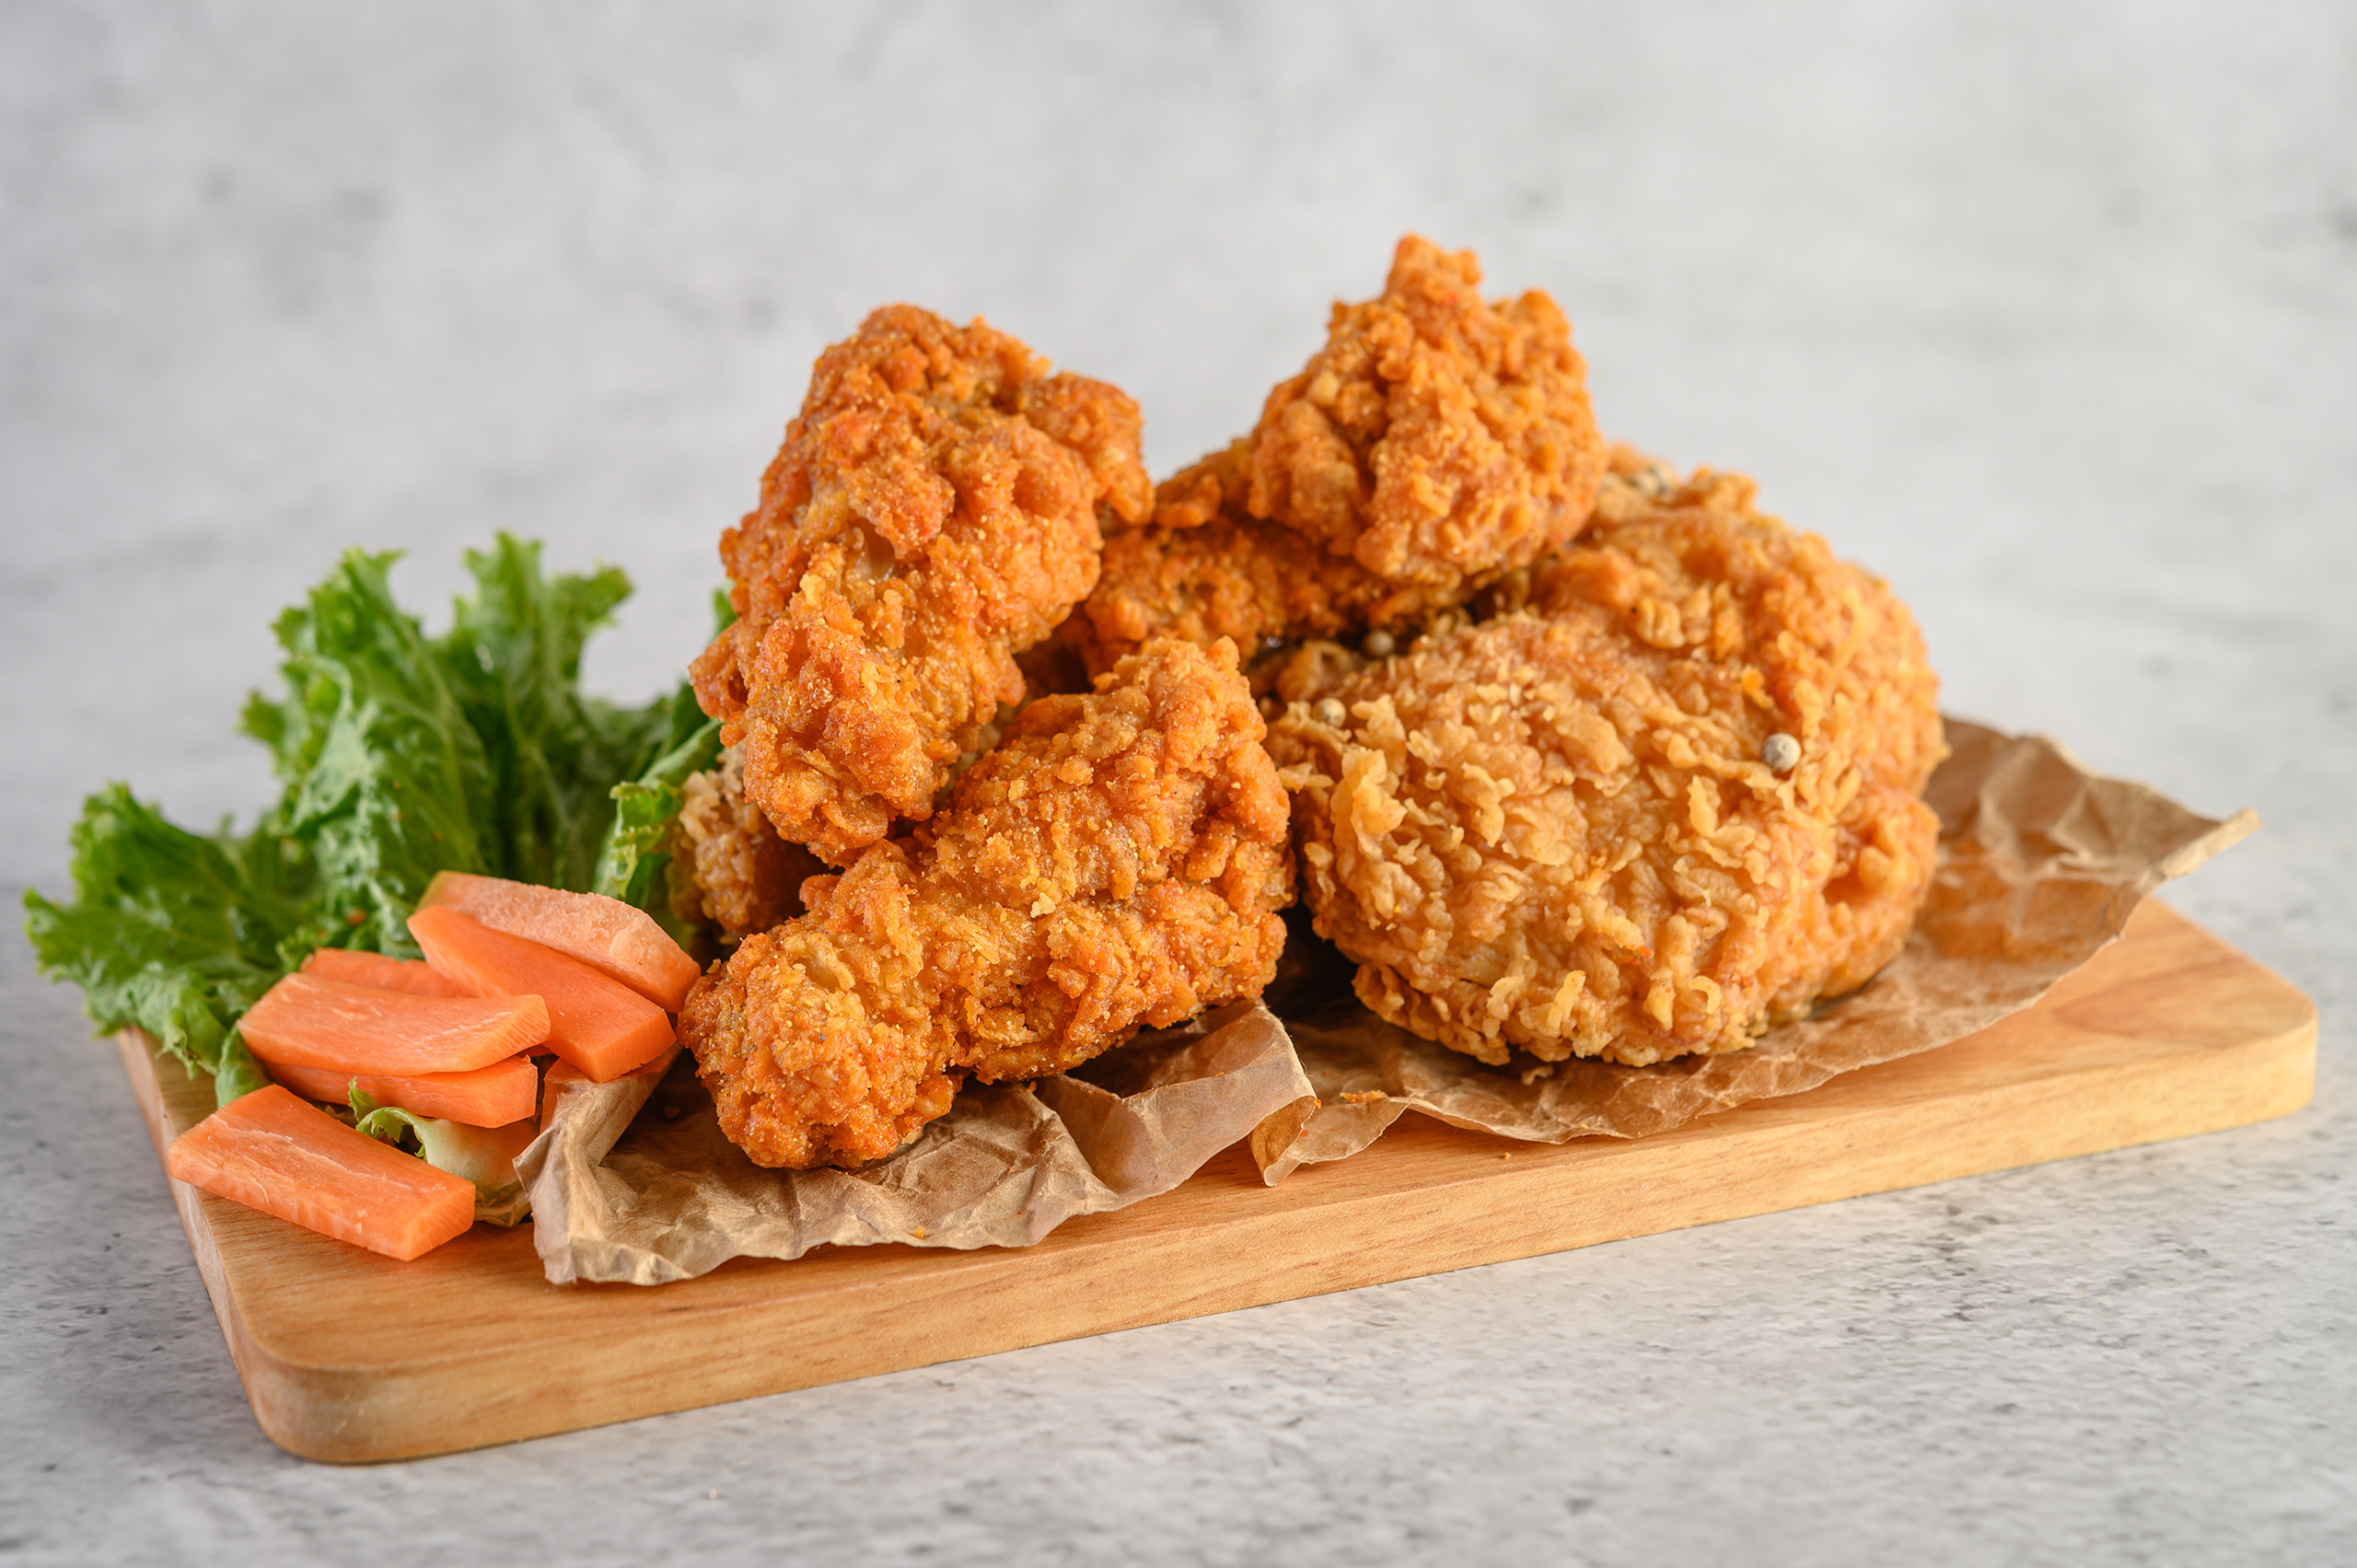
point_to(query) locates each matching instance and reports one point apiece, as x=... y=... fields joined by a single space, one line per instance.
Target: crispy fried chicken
x=1117 y=860
x=933 y=512
x=1231 y=574
x=1434 y=443
x=1669 y=795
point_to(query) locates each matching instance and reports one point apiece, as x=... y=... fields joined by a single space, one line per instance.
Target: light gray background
x=2045 y=312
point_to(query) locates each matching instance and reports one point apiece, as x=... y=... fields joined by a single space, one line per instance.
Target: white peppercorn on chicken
x=1555 y=830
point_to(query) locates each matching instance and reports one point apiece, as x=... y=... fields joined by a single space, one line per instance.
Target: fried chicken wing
x=1434 y=443
x=1669 y=795
x=1117 y=860
x=933 y=512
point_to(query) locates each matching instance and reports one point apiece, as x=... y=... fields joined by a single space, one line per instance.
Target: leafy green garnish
x=630 y=867
x=386 y=779
x=630 y=864
x=173 y=933
x=402 y=755
x=514 y=659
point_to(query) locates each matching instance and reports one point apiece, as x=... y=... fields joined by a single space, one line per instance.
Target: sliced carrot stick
x=348 y=966
x=600 y=1025
x=270 y=1151
x=610 y=936
x=488 y=1097
x=304 y=1022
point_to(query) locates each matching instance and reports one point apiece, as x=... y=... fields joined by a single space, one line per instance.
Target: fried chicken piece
x=728 y=865
x=1635 y=485
x=933 y=512
x=1435 y=442
x=1116 y=861
x=1231 y=574
x=1583 y=828
x=1435 y=438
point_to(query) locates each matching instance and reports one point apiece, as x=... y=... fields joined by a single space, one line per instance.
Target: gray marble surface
x=2047 y=313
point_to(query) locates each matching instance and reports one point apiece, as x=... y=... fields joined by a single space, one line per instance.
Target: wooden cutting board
x=352 y=1357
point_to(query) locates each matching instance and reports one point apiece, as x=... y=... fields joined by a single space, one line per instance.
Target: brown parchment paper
x=2041 y=863
x=632 y=1180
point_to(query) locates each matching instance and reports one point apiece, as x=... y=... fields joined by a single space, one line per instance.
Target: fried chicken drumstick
x=933 y=512
x=1671 y=794
x=1437 y=442
x=1117 y=860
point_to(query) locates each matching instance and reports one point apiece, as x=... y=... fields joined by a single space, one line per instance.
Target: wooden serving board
x=352 y=1357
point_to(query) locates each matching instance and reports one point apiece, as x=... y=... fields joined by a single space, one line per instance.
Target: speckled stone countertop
x=2051 y=317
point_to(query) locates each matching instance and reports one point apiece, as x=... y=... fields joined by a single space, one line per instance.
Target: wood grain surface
x=350 y=1357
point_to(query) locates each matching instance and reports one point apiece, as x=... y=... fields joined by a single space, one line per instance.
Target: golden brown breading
x=728 y=865
x=1556 y=830
x=1117 y=860
x=1435 y=442
x=933 y=512
x=1436 y=437
x=1635 y=484
x=1220 y=572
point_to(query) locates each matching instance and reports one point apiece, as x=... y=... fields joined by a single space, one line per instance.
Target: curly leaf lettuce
x=386 y=779
x=172 y=933
x=631 y=861
x=513 y=659
x=400 y=756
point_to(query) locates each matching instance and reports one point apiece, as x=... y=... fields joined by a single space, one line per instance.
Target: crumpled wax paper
x=2042 y=863
x=618 y=1195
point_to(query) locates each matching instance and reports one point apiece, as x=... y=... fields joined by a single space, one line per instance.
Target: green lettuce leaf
x=513 y=658
x=633 y=864
x=631 y=861
x=386 y=779
x=400 y=756
x=171 y=932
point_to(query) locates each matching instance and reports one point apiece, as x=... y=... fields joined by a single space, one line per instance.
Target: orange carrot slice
x=600 y=1025
x=348 y=966
x=488 y=1097
x=618 y=941
x=304 y=1022
x=270 y=1151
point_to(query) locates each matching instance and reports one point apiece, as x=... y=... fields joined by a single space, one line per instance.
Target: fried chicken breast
x=1670 y=794
x=933 y=512
x=1117 y=860
x=1435 y=442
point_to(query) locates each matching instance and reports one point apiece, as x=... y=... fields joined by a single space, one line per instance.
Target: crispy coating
x=728 y=865
x=1435 y=442
x=1220 y=572
x=1116 y=861
x=1436 y=437
x=933 y=512
x=1555 y=830
x=1635 y=485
